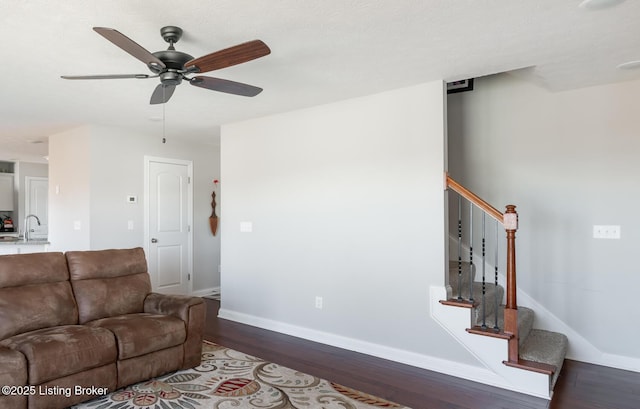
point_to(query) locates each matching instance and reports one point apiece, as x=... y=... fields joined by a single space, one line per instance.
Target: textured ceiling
x=322 y=51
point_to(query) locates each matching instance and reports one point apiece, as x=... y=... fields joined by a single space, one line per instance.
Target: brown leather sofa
x=84 y=323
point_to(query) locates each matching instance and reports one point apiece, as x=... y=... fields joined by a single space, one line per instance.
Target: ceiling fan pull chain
x=164 y=139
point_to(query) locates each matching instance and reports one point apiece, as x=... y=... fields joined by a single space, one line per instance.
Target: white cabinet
x=33 y=248
x=6 y=192
x=11 y=248
x=6 y=250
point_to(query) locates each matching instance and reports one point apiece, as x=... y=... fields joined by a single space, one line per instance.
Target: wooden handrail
x=473 y=198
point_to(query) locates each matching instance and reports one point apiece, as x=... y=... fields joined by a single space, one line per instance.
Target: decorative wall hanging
x=213 y=219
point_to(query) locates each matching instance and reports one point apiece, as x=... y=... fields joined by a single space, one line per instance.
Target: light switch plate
x=606 y=232
x=246 y=227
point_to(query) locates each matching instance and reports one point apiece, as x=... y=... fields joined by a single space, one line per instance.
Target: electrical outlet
x=606 y=232
x=319 y=302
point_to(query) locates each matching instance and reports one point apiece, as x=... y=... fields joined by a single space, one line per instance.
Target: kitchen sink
x=10 y=238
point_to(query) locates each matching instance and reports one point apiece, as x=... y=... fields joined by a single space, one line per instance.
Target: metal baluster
x=496 y=327
x=484 y=284
x=459 y=248
x=471 y=252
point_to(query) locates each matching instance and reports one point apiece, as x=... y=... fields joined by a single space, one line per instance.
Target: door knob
x=154 y=240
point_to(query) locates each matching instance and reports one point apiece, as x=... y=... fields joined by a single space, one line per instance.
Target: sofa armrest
x=191 y=310
x=175 y=305
x=13 y=372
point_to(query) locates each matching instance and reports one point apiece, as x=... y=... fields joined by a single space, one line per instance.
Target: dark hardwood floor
x=580 y=386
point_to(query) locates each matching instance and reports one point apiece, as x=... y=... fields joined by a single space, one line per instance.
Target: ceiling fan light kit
x=173 y=66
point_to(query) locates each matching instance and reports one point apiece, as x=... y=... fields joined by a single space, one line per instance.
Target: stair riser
x=525 y=322
x=489 y=303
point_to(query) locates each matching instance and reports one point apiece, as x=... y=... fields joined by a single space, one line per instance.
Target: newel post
x=510 y=222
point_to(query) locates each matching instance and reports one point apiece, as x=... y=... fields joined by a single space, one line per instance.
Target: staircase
x=539 y=350
x=492 y=312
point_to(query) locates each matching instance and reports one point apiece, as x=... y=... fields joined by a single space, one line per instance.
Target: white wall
x=106 y=165
x=69 y=190
x=346 y=202
x=568 y=160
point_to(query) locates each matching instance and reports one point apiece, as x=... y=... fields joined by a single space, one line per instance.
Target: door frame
x=147 y=196
x=27 y=198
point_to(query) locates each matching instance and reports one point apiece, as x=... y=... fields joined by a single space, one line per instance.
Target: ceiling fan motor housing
x=174 y=66
x=173 y=59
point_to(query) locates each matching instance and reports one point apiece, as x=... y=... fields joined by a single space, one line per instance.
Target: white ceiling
x=322 y=51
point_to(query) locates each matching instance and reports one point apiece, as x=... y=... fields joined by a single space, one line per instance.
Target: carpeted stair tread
x=465 y=277
x=468 y=272
x=491 y=291
x=525 y=321
x=545 y=347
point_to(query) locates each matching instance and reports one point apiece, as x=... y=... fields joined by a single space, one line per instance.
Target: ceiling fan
x=173 y=66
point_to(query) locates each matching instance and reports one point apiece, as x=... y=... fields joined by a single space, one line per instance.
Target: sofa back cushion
x=107 y=283
x=35 y=293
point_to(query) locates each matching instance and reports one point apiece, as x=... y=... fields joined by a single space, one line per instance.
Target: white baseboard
x=206 y=291
x=469 y=372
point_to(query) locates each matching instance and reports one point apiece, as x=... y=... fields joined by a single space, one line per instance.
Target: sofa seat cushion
x=55 y=352
x=142 y=333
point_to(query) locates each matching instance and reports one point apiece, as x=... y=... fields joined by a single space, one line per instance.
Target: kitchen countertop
x=10 y=240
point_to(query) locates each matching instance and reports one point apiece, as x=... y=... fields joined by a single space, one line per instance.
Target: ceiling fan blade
x=229 y=56
x=129 y=46
x=162 y=93
x=230 y=87
x=104 y=77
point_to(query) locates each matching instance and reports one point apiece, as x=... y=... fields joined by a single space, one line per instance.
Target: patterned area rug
x=232 y=379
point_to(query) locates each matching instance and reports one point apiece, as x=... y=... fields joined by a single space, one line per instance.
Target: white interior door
x=168 y=221
x=37 y=202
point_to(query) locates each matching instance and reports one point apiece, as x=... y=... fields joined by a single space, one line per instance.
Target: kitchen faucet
x=26 y=226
